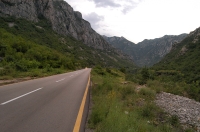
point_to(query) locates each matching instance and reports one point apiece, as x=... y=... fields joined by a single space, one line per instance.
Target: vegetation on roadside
x=123 y=106
x=129 y=107
x=21 y=58
x=178 y=72
x=34 y=49
x=170 y=81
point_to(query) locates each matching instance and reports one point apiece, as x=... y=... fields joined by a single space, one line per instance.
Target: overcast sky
x=137 y=20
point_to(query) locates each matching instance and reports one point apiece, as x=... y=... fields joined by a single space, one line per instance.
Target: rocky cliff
x=147 y=52
x=63 y=18
x=185 y=58
x=152 y=51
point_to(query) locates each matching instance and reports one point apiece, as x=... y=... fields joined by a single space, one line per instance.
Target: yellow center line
x=80 y=113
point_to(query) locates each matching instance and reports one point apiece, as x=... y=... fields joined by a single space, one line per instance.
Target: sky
x=137 y=20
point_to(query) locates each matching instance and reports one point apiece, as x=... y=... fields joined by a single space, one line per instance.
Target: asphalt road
x=48 y=104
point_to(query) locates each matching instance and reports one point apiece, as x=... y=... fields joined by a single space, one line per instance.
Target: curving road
x=49 y=104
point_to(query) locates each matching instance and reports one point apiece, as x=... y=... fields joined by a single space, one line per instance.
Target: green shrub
x=145 y=73
x=155 y=85
x=123 y=70
x=125 y=91
x=35 y=73
x=99 y=70
x=174 y=121
x=8 y=69
x=95 y=119
x=148 y=111
x=147 y=93
x=108 y=70
x=49 y=68
x=22 y=65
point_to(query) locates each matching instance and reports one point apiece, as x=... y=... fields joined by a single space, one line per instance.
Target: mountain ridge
x=181 y=51
x=63 y=18
x=64 y=21
x=149 y=51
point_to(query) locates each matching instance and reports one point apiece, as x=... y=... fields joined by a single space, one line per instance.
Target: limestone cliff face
x=63 y=18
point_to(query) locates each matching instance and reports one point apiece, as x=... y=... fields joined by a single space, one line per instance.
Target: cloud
x=94 y=19
x=126 y=9
x=106 y=3
x=129 y=5
x=124 y=5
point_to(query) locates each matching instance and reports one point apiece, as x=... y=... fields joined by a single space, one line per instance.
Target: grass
x=32 y=74
x=119 y=107
x=177 y=88
x=166 y=80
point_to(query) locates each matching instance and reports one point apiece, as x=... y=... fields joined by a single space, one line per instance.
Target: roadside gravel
x=187 y=110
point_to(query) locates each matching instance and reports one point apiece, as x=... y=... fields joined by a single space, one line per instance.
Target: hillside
x=62 y=18
x=185 y=58
x=147 y=52
x=60 y=14
x=34 y=46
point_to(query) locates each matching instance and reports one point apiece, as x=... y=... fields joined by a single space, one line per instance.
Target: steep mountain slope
x=152 y=51
x=34 y=49
x=185 y=58
x=64 y=20
x=46 y=15
x=123 y=44
x=147 y=52
x=37 y=38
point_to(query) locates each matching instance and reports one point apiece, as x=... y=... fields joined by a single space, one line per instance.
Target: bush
x=123 y=70
x=35 y=73
x=108 y=70
x=25 y=65
x=99 y=70
x=148 y=93
x=155 y=85
x=22 y=65
x=144 y=76
x=125 y=91
x=6 y=70
x=95 y=119
x=148 y=111
x=174 y=121
x=49 y=68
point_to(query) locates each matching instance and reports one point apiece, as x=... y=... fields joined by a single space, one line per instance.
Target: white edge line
x=20 y=96
x=60 y=80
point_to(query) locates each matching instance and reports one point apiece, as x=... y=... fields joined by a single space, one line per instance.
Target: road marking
x=80 y=113
x=20 y=96
x=60 y=80
x=71 y=75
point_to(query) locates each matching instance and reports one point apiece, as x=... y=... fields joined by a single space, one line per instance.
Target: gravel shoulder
x=187 y=110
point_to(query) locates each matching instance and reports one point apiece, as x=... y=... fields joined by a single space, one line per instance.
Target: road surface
x=48 y=104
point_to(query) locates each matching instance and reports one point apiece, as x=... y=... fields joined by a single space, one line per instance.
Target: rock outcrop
x=195 y=34
x=63 y=18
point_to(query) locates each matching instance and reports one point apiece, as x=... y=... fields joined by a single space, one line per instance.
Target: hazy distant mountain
x=147 y=52
x=184 y=58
